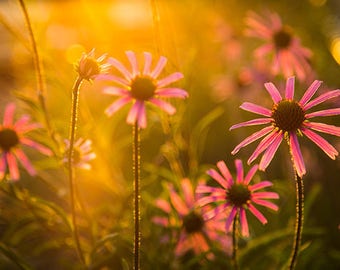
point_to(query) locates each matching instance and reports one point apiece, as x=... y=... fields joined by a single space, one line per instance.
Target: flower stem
x=39 y=71
x=136 y=171
x=73 y=124
x=299 y=220
x=235 y=244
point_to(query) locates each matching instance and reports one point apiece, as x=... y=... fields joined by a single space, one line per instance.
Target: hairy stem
x=73 y=125
x=235 y=244
x=298 y=222
x=39 y=70
x=136 y=171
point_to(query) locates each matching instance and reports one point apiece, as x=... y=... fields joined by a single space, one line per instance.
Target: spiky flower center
x=8 y=139
x=88 y=68
x=193 y=222
x=239 y=194
x=288 y=115
x=282 y=38
x=143 y=88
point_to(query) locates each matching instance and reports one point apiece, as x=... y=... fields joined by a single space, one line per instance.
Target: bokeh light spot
x=335 y=49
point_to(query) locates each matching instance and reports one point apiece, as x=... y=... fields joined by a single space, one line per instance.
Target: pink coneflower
x=195 y=232
x=82 y=153
x=288 y=118
x=289 y=56
x=12 y=137
x=89 y=67
x=236 y=196
x=141 y=86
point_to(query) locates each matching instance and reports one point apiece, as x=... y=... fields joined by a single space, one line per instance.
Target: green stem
x=38 y=67
x=73 y=124
x=136 y=170
x=299 y=220
x=235 y=244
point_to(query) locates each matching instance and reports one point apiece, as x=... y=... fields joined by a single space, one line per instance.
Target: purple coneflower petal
x=321 y=127
x=133 y=61
x=171 y=92
x=239 y=170
x=9 y=114
x=12 y=166
x=310 y=92
x=2 y=166
x=257 y=214
x=322 y=98
x=118 y=65
x=116 y=91
x=226 y=174
x=174 y=77
x=328 y=112
x=164 y=205
x=159 y=67
x=265 y=195
x=254 y=122
x=299 y=164
x=230 y=218
x=255 y=136
x=216 y=211
x=290 y=88
x=250 y=174
x=162 y=221
x=25 y=162
x=269 y=153
x=165 y=106
x=260 y=185
x=267 y=204
x=141 y=116
x=216 y=176
x=209 y=199
x=263 y=145
x=147 y=63
x=273 y=91
x=321 y=142
x=108 y=77
x=251 y=107
x=177 y=202
x=188 y=192
x=208 y=189
x=133 y=113
x=42 y=149
x=244 y=223
x=115 y=106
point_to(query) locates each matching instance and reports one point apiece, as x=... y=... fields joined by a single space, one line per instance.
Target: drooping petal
x=244 y=223
x=299 y=164
x=255 y=136
x=230 y=218
x=250 y=174
x=141 y=116
x=328 y=112
x=322 y=98
x=254 y=108
x=188 y=192
x=257 y=214
x=325 y=128
x=164 y=205
x=215 y=211
x=165 y=106
x=321 y=142
x=239 y=170
x=12 y=166
x=310 y=92
x=273 y=91
x=174 y=77
x=109 y=77
x=42 y=149
x=209 y=199
x=177 y=202
x=162 y=221
x=267 y=204
x=290 y=88
x=269 y=153
x=2 y=166
x=132 y=116
x=159 y=67
x=25 y=162
x=118 y=65
x=115 y=106
x=226 y=174
x=9 y=115
x=254 y=122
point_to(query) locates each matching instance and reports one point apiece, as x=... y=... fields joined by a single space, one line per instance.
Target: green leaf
x=14 y=257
